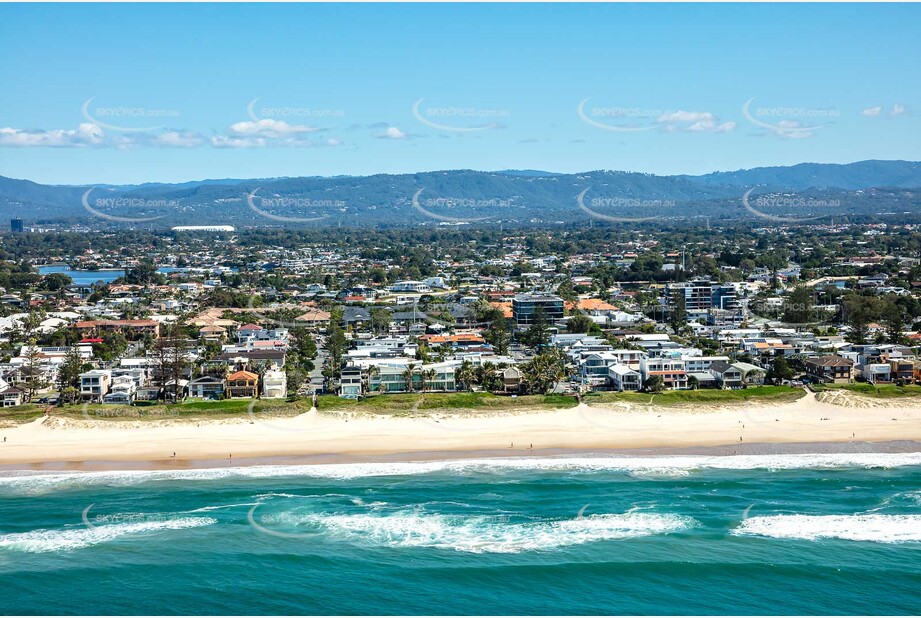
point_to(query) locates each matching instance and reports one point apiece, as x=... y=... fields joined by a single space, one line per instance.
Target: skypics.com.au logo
x=626 y=205
x=265 y=112
x=457 y=203
x=623 y=119
x=785 y=202
x=120 y=117
x=123 y=203
x=789 y=122
x=291 y=204
x=458 y=119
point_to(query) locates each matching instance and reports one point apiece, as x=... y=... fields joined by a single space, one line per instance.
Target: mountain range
x=524 y=197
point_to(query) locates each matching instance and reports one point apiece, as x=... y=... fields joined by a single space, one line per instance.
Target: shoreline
x=56 y=443
x=727 y=450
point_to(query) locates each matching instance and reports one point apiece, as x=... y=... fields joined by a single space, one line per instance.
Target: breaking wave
x=877 y=528
x=490 y=534
x=43 y=541
x=41 y=482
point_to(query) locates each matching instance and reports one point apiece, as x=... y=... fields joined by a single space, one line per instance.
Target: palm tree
x=428 y=379
x=373 y=372
x=407 y=375
x=466 y=375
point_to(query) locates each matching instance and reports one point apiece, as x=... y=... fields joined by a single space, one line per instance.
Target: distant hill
x=860 y=175
x=457 y=196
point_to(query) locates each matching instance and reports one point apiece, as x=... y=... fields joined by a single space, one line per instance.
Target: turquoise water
x=89 y=277
x=769 y=534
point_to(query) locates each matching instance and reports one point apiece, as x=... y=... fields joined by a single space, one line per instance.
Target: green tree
x=654 y=384
x=779 y=371
x=542 y=372
x=380 y=320
x=797 y=306
x=579 y=323
x=537 y=334
x=859 y=312
x=68 y=381
x=894 y=321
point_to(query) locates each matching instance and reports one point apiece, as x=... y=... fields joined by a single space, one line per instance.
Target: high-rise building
x=525 y=305
x=16 y=226
x=697 y=294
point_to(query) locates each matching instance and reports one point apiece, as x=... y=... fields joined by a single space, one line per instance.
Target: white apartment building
x=94 y=385
x=671 y=370
x=274 y=384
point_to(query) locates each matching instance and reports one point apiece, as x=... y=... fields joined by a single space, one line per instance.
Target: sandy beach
x=841 y=418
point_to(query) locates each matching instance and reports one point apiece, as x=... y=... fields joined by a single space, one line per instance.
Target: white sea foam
x=877 y=528
x=68 y=539
x=218 y=507
x=42 y=482
x=492 y=535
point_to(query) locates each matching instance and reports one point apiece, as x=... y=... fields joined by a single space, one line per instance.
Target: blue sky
x=137 y=93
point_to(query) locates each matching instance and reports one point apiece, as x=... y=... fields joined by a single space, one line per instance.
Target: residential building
x=274 y=384
x=121 y=390
x=902 y=370
x=876 y=373
x=94 y=384
x=727 y=376
x=511 y=379
x=624 y=378
x=207 y=387
x=129 y=328
x=524 y=306
x=351 y=382
x=242 y=384
x=12 y=396
x=671 y=370
x=697 y=294
x=830 y=369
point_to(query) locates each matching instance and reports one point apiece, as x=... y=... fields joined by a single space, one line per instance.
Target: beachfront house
x=94 y=384
x=671 y=370
x=121 y=390
x=207 y=387
x=351 y=381
x=876 y=373
x=624 y=378
x=830 y=369
x=274 y=384
x=512 y=378
x=13 y=396
x=242 y=384
x=726 y=375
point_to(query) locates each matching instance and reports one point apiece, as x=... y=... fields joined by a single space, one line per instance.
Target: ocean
x=590 y=534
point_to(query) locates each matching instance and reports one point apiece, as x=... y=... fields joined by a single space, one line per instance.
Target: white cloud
x=86 y=134
x=897 y=111
x=682 y=116
x=694 y=122
x=393 y=133
x=270 y=128
x=224 y=141
x=711 y=126
x=178 y=139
